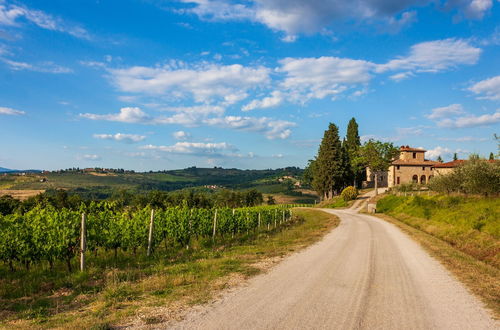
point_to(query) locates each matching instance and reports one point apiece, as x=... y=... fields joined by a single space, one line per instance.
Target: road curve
x=365 y=274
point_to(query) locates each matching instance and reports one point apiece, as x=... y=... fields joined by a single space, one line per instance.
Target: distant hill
x=8 y=170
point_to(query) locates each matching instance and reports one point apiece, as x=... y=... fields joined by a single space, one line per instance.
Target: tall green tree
x=455 y=157
x=378 y=156
x=347 y=173
x=353 y=143
x=492 y=157
x=439 y=159
x=328 y=172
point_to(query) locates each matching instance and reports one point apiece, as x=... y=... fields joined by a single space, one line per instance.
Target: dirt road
x=365 y=274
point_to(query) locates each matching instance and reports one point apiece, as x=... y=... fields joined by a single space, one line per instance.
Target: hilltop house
x=409 y=167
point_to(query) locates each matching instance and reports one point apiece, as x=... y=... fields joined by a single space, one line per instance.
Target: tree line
x=340 y=164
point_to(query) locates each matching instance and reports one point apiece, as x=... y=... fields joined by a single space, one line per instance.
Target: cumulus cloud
x=307 y=78
x=91 y=157
x=127 y=138
x=10 y=111
x=126 y=115
x=488 y=89
x=274 y=100
x=46 y=67
x=297 y=16
x=433 y=56
x=207 y=83
x=471 y=120
x=194 y=148
x=181 y=135
x=450 y=110
x=11 y=14
x=271 y=128
x=438 y=151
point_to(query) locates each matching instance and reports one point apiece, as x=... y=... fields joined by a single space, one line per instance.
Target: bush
x=349 y=193
x=474 y=177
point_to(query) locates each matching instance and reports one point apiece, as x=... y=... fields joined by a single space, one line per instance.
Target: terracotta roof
x=408 y=148
x=416 y=163
x=451 y=164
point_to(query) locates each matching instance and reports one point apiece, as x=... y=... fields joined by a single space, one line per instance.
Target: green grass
x=112 y=290
x=470 y=224
x=335 y=202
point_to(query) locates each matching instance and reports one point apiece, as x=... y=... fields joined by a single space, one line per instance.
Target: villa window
x=422 y=179
x=397 y=180
x=414 y=155
x=423 y=168
x=397 y=167
x=415 y=178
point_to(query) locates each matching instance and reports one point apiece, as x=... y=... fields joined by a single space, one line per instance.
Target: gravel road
x=365 y=274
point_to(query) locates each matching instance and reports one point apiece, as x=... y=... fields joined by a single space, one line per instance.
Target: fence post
x=150 y=236
x=215 y=225
x=259 y=221
x=83 y=242
x=284 y=216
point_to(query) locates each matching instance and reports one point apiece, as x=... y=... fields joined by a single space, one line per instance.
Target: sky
x=158 y=85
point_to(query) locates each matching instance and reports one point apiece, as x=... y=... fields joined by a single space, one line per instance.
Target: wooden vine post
x=150 y=236
x=215 y=225
x=83 y=242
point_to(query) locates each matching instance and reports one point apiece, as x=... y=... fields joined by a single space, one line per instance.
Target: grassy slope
x=158 y=289
x=460 y=232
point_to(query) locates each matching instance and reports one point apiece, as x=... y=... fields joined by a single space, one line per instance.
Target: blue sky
x=151 y=84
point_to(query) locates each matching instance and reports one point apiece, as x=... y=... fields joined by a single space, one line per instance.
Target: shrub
x=474 y=177
x=349 y=193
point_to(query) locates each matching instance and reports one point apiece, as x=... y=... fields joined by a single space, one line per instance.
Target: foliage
x=475 y=176
x=349 y=193
x=50 y=234
x=353 y=143
x=378 y=156
x=328 y=167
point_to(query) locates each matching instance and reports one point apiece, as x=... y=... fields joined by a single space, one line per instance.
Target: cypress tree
x=353 y=144
x=455 y=157
x=492 y=157
x=439 y=159
x=328 y=172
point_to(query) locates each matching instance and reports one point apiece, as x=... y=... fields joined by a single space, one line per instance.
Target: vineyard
x=46 y=235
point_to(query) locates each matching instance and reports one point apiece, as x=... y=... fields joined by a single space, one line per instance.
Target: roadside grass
x=461 y=232
x=139 y=290
x=335 y=202
x=470 y=224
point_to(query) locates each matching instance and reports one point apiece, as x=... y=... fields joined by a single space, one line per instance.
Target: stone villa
x=410 y=167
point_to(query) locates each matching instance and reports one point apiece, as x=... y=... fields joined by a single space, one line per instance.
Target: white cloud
x=471 y=120
x=127 y=138
x=272 y=129
x=194 y=148
x=438 y=151
x=206 y=83
x=402 y=76
x=181 y=135
x=433 y=56
x=274 y=100
x=126 y=115
x=307 y=78
x=450 y=110
x=298 y=16
x=11 y=14
x=91 y=157
x=46 y=67
x=10 y=111
x=487 y=89
x=405 y=131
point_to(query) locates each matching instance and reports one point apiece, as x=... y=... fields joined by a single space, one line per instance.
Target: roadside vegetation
x=151 y=290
